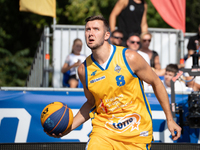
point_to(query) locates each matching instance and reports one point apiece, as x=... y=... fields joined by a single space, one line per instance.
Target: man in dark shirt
x=131 y=16
x=193 y=43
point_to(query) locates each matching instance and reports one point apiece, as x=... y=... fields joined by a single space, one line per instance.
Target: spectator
x=72 y=61
x=193 y=44
x=131 y=17
x=153 y=55
x=133 y=43
x=116 y=37
x=194 y=83
x=170 y=72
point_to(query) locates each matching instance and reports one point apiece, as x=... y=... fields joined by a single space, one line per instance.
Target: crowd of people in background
x=193 y=47
x=132 y=32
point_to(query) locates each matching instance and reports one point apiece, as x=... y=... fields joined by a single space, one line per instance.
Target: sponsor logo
x=195 y=70
x=44 y=112
x=97 y=79
x=93 y=73
x=132 y=7
x=118 y=68
x=131 y=121
x=50 y=122
x=114 y=98
x=144 y=133
x=111 y=104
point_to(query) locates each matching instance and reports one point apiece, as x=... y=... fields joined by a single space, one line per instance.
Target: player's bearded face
x=97 y=45
x=94 y=34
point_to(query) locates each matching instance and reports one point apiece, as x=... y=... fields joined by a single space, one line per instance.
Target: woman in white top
x=72 y=62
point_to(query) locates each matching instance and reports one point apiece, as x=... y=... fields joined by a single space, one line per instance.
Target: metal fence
x=38 y=75
x=169 y=43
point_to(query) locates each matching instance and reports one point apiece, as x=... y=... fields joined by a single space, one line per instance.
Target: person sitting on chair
x=72 y=61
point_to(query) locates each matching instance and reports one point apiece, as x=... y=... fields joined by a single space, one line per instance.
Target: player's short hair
x=99 y=17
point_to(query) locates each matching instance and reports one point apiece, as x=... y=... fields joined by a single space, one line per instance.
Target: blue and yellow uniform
x=121 y=112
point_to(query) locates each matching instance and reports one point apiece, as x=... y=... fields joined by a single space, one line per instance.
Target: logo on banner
x=23 y=125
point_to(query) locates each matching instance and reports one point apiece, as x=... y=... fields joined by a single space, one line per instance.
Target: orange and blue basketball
x=56 y=118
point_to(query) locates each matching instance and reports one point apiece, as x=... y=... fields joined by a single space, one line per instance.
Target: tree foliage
x=20 y=31
x=78 y=10
x=14 y=67
x=192 y=15
x=153 y=17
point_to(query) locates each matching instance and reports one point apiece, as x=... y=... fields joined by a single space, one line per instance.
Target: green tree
x=19 y=36
x=78 y=10
x=153 y=17
x=192 y=15
x=14 y=68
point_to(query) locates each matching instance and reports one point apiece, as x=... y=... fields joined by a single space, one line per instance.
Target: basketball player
x=112 y=80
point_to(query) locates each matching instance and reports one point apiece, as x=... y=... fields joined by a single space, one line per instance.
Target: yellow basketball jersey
x=121 y=110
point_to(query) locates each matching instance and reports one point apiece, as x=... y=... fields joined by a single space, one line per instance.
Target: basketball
x=56 y=118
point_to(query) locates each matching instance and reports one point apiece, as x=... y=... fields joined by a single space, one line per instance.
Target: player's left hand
x=175 y=129
x=60 y=134
x=54 y=135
